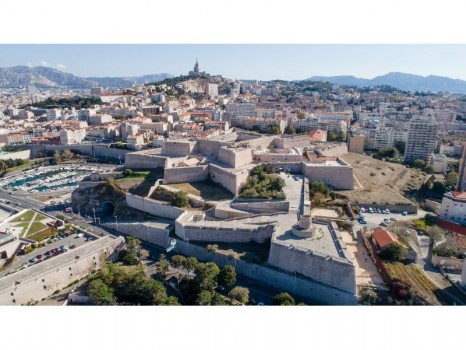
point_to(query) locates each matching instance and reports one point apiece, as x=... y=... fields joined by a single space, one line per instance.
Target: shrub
x=372 y=174
x=180 y=199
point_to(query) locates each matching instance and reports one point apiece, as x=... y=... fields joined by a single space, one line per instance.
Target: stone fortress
x=305 y=251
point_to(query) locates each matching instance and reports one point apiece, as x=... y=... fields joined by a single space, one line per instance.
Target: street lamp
x=95 y=221
x=116 y=221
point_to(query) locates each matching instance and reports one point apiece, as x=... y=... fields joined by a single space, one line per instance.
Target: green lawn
x=35 y=227
x=208 y=190
x=40 y=236
x=26 y=217
x=20 y=167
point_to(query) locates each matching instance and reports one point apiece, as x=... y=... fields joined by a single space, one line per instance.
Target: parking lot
x=375 y=219
x=23 y=261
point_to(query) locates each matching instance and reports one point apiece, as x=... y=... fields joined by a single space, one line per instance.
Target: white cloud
x=29 y=64
x=44 y=63
x=61 y=66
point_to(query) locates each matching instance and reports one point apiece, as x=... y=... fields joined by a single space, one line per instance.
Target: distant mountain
x=46 y=77
x=402 y=81
x=21 y=76
x=122 y=82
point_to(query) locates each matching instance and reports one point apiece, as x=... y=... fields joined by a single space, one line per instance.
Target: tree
x=368 y=297
x=290 y=130
x=419 y=163
x=341 y=136
x=438 y=188
x=240 y=294
x=57 y=156
x=429 y=169
x=331 y=136
x=133 y=252
x=180 y=199
x=190 y=264
x=67 y=154
x=283 y=299
x=400 y=146
x=273 y=129
x=163 y=265
x=127 y=172
x=451 y=179
x=178 y=261
x=395 y=252
x=301 y=115
x=227 y=276
x=204 y=298
x=100 y=293
x=218 y=299
x=206 y=276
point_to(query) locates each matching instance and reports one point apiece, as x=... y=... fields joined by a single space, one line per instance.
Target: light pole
x=116 y=221
x=95 y=221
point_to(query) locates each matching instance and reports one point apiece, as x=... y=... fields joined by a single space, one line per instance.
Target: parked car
x=383 y=223
x=379 y=211
x=387 y=210
x=404 y=213
x=38 y=257
x=33 y=260
x=393 y=218
x=72 y=246
x=363 y=210
x=362 y=221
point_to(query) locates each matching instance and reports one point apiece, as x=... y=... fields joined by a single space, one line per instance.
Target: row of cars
x=385 y=222
x=48 y=254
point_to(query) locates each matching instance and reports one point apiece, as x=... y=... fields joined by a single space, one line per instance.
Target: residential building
x=422 y=134
x=454 y=207
x=211 y=90
x=356 y=144
x=439 y=163
x=72 y=137
x=317 y=135
x=135 y=142
x=382 y=238
x=461 y=185
x=240 y=109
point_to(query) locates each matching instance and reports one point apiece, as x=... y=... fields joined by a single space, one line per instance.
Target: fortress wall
x=229 y=180
x=310 y=291
x=235 y=157
x=42 y=280
x=185 y=174
x=153 y=207
x=262 y=206
x=210 y=148
x=178 y=148
x=143 y=161
x=277 y=157
x=289 y=142
x=340 y=177
x=336 y=272
x=256 y=234
x=146 y=233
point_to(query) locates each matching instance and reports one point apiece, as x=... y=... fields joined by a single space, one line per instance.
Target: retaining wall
x=186 y=174
x=42 y=280
x=144 y=161
x=447 y=262
x=153 y=207
x=261 y=206
x=334 y=271
x=340 y=177
x=147 y=233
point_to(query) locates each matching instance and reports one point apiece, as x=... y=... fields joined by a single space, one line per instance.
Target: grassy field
x=208 y=190
x=381 y=182
x=250 y=252
x=140 y=181
x=419 y=281
x=40 y=236
x=28 y=215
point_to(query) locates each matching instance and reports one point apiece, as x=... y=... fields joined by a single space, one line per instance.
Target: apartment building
x=72 y=137
x=422 y=134
x=240 y=109
x=454 y=207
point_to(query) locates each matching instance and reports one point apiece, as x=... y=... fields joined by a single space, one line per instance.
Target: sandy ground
x=380 y=182
x=324 y=212
x=366 y=272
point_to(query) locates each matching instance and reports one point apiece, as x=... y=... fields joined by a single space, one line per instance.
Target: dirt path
x=29 y=226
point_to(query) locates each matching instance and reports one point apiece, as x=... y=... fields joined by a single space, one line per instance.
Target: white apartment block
x=53 y=114
x=339 y=116
x=100 y=119
x=265 y=113
x=87 y=113
x=135 y=142
x=422 y=134
x=240 y=109
x=312 y=123
x=439 y=163
x=454 y=207
x=211 y=90
x=261 y=123
x=72 y=137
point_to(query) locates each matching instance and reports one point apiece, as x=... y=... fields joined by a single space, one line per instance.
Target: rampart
x=294 y=141
x=178 y=148
x=333 y=271
x=235 y=157
x=153 y=207
x=231 y=180
x=141 y=160
x=153 y=233
x=42 y=280
x=186 y=174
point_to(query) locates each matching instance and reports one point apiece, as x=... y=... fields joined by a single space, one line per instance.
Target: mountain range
x=402 y=81
x=46 y=77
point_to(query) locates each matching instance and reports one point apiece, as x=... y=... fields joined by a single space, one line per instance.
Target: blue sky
x=249 y=61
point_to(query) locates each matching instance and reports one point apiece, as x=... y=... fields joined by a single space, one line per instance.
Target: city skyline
x=287 y=62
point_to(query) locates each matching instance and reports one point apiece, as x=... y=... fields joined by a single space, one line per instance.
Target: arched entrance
x=107 y=209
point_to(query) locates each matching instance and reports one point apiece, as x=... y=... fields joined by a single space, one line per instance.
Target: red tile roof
x=460 y=195
x=382 y=237
x=452 y=226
